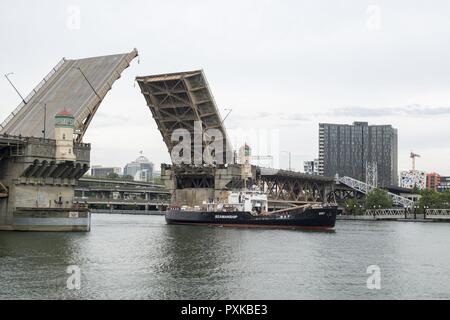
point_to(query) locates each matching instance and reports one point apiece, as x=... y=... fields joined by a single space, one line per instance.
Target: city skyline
x=121 y=166
x=336 y=68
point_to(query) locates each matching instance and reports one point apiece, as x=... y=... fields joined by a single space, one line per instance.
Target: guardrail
x=33 y=92
x=387 y=213
x=110 y=201
x=132 y=212
x=437 y=213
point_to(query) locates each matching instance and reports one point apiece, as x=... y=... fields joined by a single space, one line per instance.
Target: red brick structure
x=433 y=181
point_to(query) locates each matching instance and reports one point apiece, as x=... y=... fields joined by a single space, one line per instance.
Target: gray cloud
x=414 y=110
x=276 y=116
x=106 y=120
x=410 y=110
x=279 y=64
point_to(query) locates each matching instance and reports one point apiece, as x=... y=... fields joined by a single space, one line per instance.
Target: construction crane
x=413 y=156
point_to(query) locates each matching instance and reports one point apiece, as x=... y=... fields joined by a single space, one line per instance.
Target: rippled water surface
x=140 y=257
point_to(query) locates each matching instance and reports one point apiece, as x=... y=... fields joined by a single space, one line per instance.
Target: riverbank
x=409 y=218
x=128 y=212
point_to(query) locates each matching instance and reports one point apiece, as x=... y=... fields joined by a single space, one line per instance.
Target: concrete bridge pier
x=37 y=189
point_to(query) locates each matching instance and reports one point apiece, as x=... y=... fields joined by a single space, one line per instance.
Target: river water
x=140 y=257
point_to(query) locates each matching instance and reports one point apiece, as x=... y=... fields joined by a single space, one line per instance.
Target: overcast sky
x=282 y=66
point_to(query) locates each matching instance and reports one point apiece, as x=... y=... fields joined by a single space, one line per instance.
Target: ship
x=249 y=208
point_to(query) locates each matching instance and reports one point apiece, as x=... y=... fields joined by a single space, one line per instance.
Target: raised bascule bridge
x=42 y=154
x=184 y=100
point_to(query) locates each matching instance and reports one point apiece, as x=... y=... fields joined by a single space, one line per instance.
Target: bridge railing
x=132 y=212
x=438 y=213
x=387 y=213
x=31 y=95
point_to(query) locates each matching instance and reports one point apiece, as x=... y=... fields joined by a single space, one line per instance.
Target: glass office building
x=137 y=166
x=347 y=150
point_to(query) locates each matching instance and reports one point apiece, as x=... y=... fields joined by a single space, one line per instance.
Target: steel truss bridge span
x=183 y=100
x=365 y=188
x=294 y=187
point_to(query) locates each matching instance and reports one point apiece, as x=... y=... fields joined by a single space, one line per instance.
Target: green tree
x=446 y=199
x=415 y=190
x=112 y=175
x=378 y=198
x=352 y=207
x=156 y=180
x=434 y=199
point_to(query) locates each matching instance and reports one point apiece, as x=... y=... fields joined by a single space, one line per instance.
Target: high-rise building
x=433 y=181
x=347 y=150
x=142 y=175
x=311 y=167
x=141 y=163
x=413 y=179
x=444 y=184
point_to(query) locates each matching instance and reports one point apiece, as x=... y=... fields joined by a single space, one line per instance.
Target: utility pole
x=7 y=78
x=229 y=111
x=45 y=117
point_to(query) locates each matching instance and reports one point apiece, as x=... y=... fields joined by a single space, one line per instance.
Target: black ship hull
x=309 y=218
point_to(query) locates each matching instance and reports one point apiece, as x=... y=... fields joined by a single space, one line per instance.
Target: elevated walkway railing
x=438 y=213
x=366 y=188
x=387 y=213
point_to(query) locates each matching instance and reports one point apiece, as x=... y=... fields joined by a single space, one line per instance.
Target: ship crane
x=413 y=156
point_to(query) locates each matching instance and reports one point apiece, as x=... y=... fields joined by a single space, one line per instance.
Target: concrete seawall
x=46 y=219
x=128 y=212
x=409 y=218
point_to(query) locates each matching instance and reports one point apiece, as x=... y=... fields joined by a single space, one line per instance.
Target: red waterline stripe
x=254 y=226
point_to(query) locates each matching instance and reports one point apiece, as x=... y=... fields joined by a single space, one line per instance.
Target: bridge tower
x=64 y=128
x=244 y=161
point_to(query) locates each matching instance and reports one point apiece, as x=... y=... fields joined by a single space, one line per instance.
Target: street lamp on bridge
x=10 y=82
x=45 y=116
